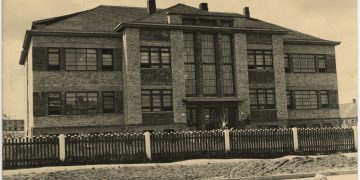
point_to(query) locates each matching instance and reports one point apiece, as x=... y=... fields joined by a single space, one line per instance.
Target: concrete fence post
x=296 y=139
x=355 y=137
x=227 y=140
x=147 y=144
x=62 y=147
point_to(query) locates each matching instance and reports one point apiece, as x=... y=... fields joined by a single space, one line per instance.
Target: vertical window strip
x=190 y=81
x=289 y=99
x=322 y=63
x=227 y=58
x=107 y=59
x=209 y=66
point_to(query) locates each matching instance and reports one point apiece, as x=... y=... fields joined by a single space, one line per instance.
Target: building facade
x=124 y=69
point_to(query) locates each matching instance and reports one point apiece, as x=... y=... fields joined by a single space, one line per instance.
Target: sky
x=328 y=19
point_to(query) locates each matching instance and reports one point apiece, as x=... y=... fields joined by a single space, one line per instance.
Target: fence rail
x=156 y=147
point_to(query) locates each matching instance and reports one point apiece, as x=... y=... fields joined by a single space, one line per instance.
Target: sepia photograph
x=179 y=89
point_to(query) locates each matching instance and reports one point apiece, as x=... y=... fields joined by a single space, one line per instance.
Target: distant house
x=349 y=114
x=114 y=68
x=13 y=128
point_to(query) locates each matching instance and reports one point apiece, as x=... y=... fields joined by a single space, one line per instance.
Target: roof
x=104 y=19
x=348 y=110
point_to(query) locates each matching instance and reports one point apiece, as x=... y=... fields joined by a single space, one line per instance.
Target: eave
x=312 y=42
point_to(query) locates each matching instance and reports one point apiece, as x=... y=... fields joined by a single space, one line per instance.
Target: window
x=156 y=100
x=190 y=79
x=80 y=59
x=53 y=59
x=259 y=59
x=288 y=97
x=286 y=63
x=191 y=116
x=13 y=125
x=262 y=98
x=324 y=99
x=322 y=63
x=208 y=62
x=304 y=63
x=107 y=57
x=155 y=57
x=54 y=107
x=81 y=103
x=306 y=100
x=227 y=58
x=108 y=101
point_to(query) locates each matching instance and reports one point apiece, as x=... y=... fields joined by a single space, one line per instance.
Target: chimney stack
x=151 y=6
x=204 y=6
x=247 y=12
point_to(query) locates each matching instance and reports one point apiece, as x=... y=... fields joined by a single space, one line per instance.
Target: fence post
x=62 y=147
x=355 y=137
x=227 y=140
x=296 y=139
x=147 y=145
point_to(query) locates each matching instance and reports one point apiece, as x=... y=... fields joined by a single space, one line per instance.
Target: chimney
x=151 y=6
x=204 y=6
x=247 y=12
x=354 y=101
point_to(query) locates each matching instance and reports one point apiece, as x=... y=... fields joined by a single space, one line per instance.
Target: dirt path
x=193 y=169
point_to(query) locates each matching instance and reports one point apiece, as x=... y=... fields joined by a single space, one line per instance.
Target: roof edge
x=30 y=33
x=315 y=42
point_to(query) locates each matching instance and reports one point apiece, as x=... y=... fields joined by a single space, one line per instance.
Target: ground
x=194 y=169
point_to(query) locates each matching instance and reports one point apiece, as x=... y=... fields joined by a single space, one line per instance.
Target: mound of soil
x=225 y=168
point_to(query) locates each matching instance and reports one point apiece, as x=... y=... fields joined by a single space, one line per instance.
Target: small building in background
x=348 y=114
x=13 y=128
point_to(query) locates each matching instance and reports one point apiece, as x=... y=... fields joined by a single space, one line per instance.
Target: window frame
x=87 y=103
x=262 y=106
x=309 y=106
x=263 y=55
x=151 y=95
x=49 y=106
x=75 y=55
x=107 y=67
x=108 y=111
x=323 y=58
x=300 y=69
x=190 y=84
x=228 y=64
x=9 y=125
x=289 y=99
x=287 y=61
x=207 y=66
x=159 y=53
x=324 y=93
x=53 y=67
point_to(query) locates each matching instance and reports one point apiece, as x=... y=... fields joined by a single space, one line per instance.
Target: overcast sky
x=328 y=19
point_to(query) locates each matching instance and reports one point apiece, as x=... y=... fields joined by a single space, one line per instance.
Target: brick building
x=116 y=68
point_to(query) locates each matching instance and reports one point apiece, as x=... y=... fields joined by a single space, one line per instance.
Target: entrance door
x=213 y=118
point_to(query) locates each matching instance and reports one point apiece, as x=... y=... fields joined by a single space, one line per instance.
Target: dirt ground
x=193 y=169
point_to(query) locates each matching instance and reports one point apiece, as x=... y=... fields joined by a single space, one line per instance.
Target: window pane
x=190 y=77
x=306 y=100
x=208 y=58
x=304 y=63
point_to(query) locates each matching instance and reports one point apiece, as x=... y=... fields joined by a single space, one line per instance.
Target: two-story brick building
x=116 y=68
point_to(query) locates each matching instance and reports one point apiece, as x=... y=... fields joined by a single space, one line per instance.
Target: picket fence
x=165 y=147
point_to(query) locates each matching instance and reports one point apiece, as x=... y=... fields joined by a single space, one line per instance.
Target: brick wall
x=155 y=118
x=156 y=77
